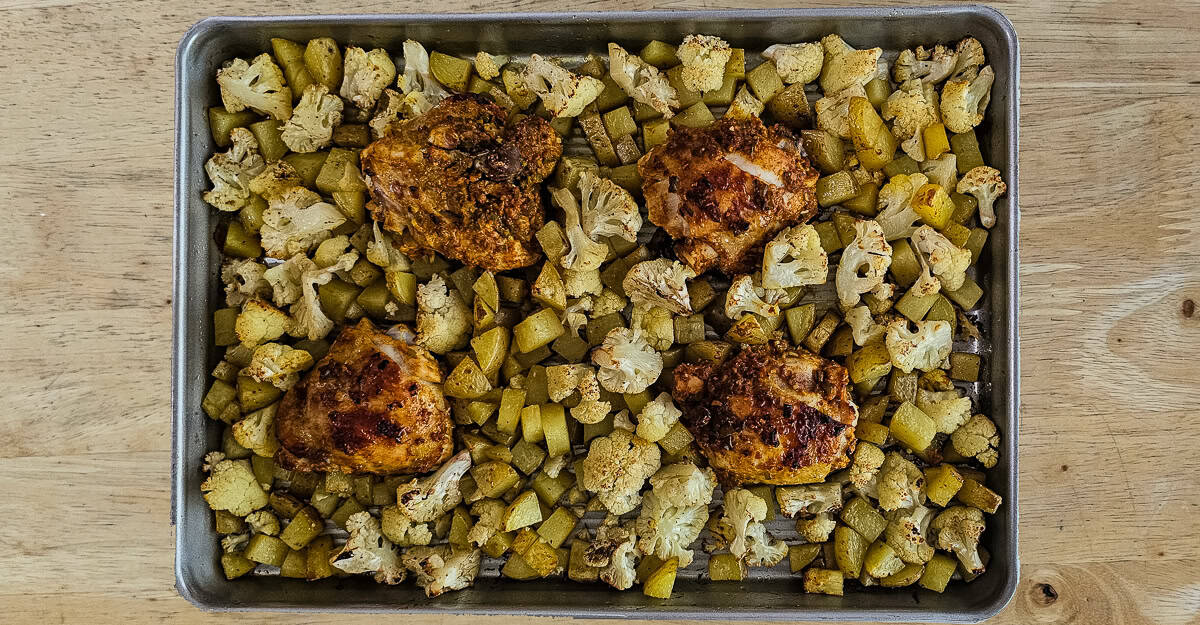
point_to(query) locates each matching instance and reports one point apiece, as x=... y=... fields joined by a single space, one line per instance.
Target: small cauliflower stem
x=366 y=75
x=425 y=499
x=741 y=525
x=296 y=221
x=440 y=569
x=925 y=285
x=704 y=58
x=833 y=111
x=382 y=251
x=608 y=210
x=863 y=328
x=794 y=258
x=947 y=261
x=367 y=550
x=958 y=530
x=844 y=67
x=660 y=282
x=310 y=127
x=278 y=364
x=969 y=57
x=929 y=66
x=488 y=65
x=443 y=319
x=641 y=81
x=585 y=254
x=232 y=171
x=575 y=316
x=797 y=62
x=308 y=319
x=965 y=98
x=258 y=85
x=942 y=171
x=924 y=349
x=244 y=279
x=617 y=466
x=864 y=263
x=657 y=418
x=985 y=184
x=744 y=297
x=564 y=93
x=627 y=363
x=896 y=215
x=809 y=499
x=421 y=91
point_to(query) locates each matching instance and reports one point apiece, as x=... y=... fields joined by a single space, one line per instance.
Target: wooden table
x=1110 y=528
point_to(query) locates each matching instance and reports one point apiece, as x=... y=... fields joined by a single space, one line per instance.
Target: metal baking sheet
x=771 y=594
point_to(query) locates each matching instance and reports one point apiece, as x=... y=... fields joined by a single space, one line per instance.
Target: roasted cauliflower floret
x=845 y=67
x=564 y=93
x=563 y=380
x=931 y=66
x=797 y=62
x=366 y=75
x=616 y=545
x=704 y=58
x=907 y=532
x=794 y=258
x=608 y=210
x=965 y=98
x=260 y=322
x=278 y=364
x=232 y=171
x=896 y=214
x=297 y=221
x=958 y=530
x=979 y=439
x=968 y=57
x=256 y=432
x=490 y=513
x=864 y=263
x=440 y=569
x=585 y=254
x=310 y=127
x=421 y=91
x=488 y=65
x=986 y=185
x=660 y=282
x=231 y=486
x=367 y=550
x=657 y=418
x=947 y=414
x=809 y=499
x=308 y=318
x=627 y=363
x=745 y=297
x=425 y=499
x=863 y=328
x=942 y=171
x=833 y=110
x=443 y=319
x=258 y=85
x=741 y=525
x=642 y=81
x=911 y=109
x=901 y=483
x=948 y=261
x=401 y=530
x=674 y=511
x=244 y=279
x=275 y=179
x=617 y=466
x=263 y=522
x=864 y=470
x=924 y=349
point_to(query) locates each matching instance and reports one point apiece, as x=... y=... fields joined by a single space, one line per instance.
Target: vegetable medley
x=558 y=373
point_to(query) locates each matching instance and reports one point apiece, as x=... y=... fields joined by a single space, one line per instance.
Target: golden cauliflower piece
x=231 y=486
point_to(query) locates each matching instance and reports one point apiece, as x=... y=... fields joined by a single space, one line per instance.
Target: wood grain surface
x=1110 y=527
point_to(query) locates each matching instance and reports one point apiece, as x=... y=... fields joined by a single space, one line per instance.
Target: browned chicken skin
x=374 y=404
x=460 y=181
x=769 y=415
x=724 y=190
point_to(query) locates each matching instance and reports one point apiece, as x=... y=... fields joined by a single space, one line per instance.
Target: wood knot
x=1045 y=594
x=1188 y=308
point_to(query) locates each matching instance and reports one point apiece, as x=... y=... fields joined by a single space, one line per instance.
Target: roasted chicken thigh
x=374 y=404
x=769 y=415
x=723 y=190
x=463 y=182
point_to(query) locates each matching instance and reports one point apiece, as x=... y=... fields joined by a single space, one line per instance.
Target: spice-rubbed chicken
x=724 y=190
x=769 y=415
x=374 y=404
x=459 y=180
